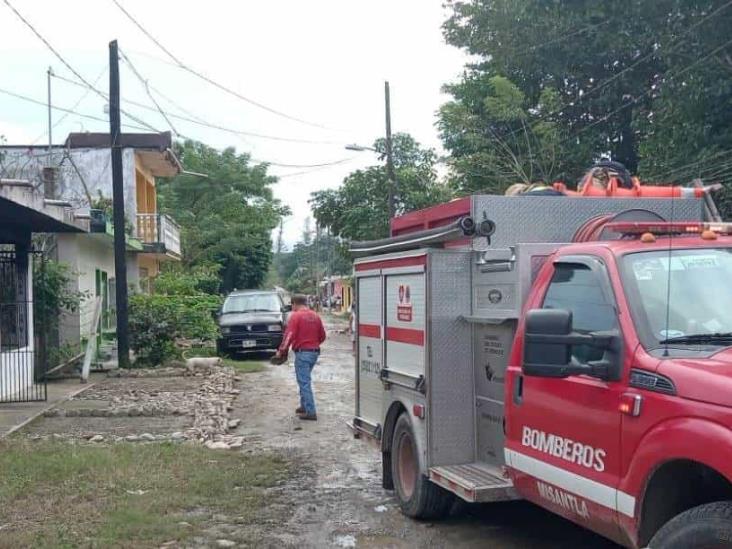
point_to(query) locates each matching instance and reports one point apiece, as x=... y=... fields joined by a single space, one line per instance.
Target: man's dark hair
x=299 y=299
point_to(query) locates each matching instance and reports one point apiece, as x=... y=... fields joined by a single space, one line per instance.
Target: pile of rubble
x=208 y=402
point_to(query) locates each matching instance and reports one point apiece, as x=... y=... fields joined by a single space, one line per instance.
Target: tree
x=310 y=259
x=507 y=143
x=226 y=218
x=687 y=134
x=624 y=75
x=358 y=210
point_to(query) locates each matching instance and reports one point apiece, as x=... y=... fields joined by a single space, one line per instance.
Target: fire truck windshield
x=697 y=312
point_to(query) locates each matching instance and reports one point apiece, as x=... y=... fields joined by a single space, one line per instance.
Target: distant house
x=23 y=211
x=80 y=172
x=336 y=291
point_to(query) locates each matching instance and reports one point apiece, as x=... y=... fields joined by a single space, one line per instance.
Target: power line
x=634 y=100
x=70 y=111
x=73 y=107
x=322 y=165
x=91 y=117
x=132 y=126
x=145 y=85
x=68 y=66
x=194 y=119
x=177 y=105
x=614 y=77
x=132 y=117
x=717 y=170
x=209 y=80
x=316 y=169
x=652 y=53
x=687 y=168
x=560 y=38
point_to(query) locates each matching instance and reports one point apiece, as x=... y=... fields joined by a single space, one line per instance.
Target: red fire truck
x=572 y=351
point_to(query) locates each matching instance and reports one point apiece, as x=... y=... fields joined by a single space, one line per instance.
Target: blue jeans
x=304 y=362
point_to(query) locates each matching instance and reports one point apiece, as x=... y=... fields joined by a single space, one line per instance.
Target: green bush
x=203 y=279
x=157 y=321
x=52 y=293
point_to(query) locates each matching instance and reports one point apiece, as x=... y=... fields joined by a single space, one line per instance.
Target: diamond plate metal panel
x=556 y=219
x=451 y=429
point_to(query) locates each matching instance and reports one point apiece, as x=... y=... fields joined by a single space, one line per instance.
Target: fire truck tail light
x=418 y=410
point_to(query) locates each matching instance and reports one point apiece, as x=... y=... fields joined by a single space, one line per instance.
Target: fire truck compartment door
x=405 y=326
x=370 y=350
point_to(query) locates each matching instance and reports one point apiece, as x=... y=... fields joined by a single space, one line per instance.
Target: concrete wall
x=84 y=254
x=94 y=169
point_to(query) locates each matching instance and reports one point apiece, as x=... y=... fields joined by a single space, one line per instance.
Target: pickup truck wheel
x=418 y=497
x=704 y=527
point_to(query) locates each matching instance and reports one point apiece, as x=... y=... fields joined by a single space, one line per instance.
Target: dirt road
x=335 y=500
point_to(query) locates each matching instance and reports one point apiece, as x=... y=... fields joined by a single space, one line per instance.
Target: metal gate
x=22 y=375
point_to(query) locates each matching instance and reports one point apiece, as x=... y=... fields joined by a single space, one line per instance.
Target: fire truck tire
x=418 y=497
x=701 y=527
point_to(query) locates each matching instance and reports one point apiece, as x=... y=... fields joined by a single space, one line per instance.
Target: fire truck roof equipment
x=462 y=227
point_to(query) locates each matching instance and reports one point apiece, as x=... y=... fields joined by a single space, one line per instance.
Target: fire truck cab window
x=699 y=303
x=576 y=288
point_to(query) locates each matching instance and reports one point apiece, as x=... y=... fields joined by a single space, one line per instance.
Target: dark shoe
x=300 y=410
x=308 y=417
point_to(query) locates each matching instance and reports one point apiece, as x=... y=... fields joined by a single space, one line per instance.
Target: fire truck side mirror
x=546 y=354
x=548 y=342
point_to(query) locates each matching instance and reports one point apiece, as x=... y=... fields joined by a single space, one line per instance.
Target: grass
x=56 y=494
x=245 y=366
x=199 y=352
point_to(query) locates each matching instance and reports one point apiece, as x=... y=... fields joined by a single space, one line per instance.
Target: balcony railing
x=159 y=229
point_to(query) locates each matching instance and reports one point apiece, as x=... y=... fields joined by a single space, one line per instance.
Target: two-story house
x=80 y=172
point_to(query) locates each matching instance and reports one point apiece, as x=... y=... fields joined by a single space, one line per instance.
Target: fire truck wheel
x=706 y=526
x=418 y=497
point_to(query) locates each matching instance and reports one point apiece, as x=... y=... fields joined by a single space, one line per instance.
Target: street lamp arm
x=360 y=148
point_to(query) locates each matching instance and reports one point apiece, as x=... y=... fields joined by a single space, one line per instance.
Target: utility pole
x=49 y=163
x=389 y=153
x=280 y=243
x=118 y=204
x=316 y=263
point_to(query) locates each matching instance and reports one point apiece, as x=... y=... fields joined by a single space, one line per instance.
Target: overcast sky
x=322 y=61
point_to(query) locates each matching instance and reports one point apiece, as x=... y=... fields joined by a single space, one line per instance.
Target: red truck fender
x=672 y=446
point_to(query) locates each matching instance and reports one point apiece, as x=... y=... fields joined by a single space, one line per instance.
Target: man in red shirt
x=305 y=333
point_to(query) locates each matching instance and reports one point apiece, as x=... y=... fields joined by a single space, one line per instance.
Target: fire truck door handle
x=518 y=390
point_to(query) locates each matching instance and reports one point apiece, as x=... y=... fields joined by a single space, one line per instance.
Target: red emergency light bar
x=668 y=228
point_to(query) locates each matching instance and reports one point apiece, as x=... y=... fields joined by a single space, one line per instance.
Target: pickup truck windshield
x=699 y=311
x=251 y=303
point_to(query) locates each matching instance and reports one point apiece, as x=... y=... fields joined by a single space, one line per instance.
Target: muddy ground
x=335 y=498
x=332 y=495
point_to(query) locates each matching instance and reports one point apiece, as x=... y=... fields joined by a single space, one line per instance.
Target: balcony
x=158 y=234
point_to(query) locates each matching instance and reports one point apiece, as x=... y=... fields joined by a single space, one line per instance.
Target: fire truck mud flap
x=474 y=482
